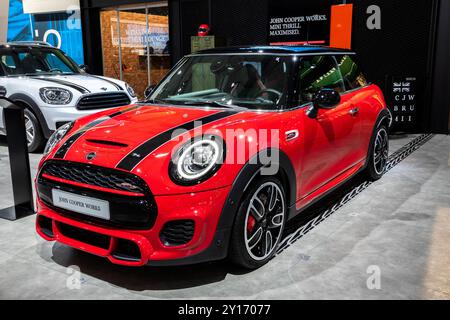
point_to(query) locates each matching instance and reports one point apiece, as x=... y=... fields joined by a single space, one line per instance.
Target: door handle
x=354 y=111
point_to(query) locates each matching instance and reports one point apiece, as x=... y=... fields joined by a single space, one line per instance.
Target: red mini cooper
x=225 y=150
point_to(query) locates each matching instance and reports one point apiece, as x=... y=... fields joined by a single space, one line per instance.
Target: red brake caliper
x=250 y=224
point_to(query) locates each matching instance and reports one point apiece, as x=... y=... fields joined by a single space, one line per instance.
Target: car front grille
x=177 y=233
x=131 y=203
x=103 y=100
x=95 y=176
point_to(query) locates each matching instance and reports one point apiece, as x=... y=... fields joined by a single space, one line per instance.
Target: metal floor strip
x=394 y=159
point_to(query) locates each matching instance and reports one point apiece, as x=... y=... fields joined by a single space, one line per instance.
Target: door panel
x=331 y=139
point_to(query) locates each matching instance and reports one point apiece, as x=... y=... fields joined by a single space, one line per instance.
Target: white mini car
x=53 y=89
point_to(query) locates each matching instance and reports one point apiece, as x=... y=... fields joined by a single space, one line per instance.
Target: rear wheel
x=378 y=154
x=259 y=224
x=35 y=138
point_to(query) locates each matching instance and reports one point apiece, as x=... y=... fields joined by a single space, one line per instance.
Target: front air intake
x=126 y=250
x=92 y=238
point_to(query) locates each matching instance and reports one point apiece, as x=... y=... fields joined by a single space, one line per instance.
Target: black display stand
x=19 y=162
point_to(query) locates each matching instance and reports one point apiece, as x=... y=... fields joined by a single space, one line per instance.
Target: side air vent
x=45 y=224
x=177 y=233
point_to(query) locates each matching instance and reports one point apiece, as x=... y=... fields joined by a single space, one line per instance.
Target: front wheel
x=35 y=138
x=259 y=224
x=378 y=154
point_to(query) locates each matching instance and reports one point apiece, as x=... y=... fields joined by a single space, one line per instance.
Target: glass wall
x=135 y=42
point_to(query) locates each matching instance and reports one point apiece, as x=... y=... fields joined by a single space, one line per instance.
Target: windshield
x=35 y=61
x=250 y=81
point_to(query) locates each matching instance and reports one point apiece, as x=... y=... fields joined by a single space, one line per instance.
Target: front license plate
x=81 y=204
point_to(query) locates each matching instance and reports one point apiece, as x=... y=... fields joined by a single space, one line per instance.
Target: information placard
x=402 y=101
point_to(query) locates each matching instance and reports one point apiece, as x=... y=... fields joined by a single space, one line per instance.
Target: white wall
x=39 y=6
x=4 y=10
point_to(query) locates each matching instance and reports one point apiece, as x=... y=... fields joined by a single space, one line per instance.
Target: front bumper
x=140 y=247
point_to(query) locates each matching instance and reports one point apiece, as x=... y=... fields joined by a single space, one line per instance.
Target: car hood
x=124 y=130
x=142 y=138
x=84 y=83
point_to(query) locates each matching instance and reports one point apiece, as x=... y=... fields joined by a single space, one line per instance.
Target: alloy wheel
x=381 y=151
x=264 y=221
x=30 y=130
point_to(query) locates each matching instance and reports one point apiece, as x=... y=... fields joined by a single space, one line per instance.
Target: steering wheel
x=275 y=93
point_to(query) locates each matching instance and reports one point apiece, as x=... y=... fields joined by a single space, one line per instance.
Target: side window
x=8 y=64
x=317 y=72
x=353 y=77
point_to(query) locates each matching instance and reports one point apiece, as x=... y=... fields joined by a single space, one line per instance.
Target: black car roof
x=25 y=44
x=306 y=49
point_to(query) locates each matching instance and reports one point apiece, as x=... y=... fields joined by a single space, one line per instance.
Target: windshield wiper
x=155 y=100
x=210 y=103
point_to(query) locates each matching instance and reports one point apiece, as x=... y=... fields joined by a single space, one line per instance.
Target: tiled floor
x=397 y=228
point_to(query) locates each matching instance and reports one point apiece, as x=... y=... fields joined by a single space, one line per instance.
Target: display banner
x=299 y=23
x=134 y=34
x=60 y=29
x=403 y=97
x=293 y=24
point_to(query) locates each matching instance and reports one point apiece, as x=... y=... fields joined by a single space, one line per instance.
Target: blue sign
x=61 y=29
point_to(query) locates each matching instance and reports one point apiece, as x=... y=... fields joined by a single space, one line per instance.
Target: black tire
x=378 y=153
x=38 y=141
x=240 y=252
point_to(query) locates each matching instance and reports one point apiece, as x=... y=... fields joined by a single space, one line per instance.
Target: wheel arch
x=218 y=248
x=27 y=102
x=383 y=118
x=243 y=181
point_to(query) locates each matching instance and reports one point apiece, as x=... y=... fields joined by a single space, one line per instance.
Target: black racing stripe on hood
x=62 y=151
x=132 y=159
x=72 y=85
x=118 y=87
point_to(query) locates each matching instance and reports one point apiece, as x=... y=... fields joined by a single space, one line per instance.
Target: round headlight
x=57 y=136
x=55 y=95
x=197 y=160
x=130 y=90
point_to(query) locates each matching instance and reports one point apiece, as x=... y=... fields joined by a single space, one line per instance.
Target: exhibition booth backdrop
x=402 y=47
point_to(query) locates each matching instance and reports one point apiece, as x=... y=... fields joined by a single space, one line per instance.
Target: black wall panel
x=440 y=95
x=240 y=22
x=400 y=48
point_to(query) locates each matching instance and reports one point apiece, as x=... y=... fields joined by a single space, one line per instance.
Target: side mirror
x=324 y=99
x=327 y=99
x=84 y=68
x=149 y=90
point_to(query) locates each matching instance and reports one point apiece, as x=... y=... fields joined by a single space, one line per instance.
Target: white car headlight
x=197 y=160
x=130 y=90
x=57 y=136
x=55 y=95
